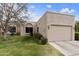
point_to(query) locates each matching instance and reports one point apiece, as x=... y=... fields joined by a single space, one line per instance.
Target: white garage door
x=58 y=33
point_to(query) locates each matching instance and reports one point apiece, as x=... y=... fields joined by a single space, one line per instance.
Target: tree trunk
x=5 y=35
x=0 y=33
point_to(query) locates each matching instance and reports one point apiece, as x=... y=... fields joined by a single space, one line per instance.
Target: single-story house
x=52 y=25
x=56 y=26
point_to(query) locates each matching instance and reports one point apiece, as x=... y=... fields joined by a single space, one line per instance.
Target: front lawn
x=25 y=46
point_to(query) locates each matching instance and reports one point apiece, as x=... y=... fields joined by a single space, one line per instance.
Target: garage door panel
x=58 y=33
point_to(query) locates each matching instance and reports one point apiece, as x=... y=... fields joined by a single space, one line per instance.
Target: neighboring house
x=52 y=25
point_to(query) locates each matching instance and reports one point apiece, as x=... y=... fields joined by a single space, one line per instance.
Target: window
x=12 y=29
x=37 y=29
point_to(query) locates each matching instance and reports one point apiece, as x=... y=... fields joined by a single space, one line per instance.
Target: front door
x=29 y=30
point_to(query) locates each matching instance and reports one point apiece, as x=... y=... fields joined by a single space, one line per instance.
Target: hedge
x=76 y=35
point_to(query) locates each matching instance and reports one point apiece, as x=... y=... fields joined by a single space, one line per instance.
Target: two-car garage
x=60 y=32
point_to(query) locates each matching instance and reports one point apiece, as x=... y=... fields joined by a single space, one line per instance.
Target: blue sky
x=38 y=9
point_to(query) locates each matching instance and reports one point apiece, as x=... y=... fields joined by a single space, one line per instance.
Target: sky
x=36 y=10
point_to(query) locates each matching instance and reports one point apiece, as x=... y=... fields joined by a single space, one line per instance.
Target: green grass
x=25 y=46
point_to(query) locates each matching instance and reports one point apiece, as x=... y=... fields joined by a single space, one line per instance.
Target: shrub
x=37 y=35
x=40 y=39
x=18 y=33
x=43 y=41
x=76 y=35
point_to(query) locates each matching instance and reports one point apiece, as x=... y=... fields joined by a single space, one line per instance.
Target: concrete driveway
x=68 y=48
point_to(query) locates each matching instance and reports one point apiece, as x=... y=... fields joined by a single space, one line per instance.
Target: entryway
x=29 y=29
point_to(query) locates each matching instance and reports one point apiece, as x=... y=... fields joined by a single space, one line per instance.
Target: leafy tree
x=12 y=12
x=77 y=26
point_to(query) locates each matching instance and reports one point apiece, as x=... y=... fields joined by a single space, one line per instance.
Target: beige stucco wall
x=18 y=29
x=60 y=19
x=42 y=24
x=54 y=18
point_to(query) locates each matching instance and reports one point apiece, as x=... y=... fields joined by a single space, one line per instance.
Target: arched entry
x=29 y=28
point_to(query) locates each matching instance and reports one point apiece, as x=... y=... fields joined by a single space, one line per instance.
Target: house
x=24 y=28
x=56 y=26
x=52 y=25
